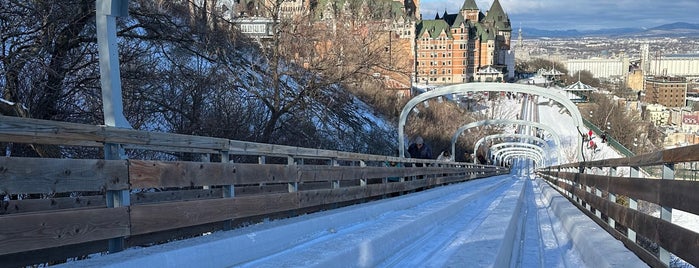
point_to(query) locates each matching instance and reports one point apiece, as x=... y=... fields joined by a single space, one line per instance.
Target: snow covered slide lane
x=397 y=232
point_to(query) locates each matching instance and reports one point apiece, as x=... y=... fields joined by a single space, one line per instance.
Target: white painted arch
x=510 y=135
x=506 y=146
x=465 y=127
x=533 y=157
x=487 y=87
x=500 y=154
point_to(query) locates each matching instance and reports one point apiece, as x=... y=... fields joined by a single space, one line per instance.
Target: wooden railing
x=55 y=209
x=598 y=190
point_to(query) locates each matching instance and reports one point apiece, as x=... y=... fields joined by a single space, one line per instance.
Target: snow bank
x=597 y=247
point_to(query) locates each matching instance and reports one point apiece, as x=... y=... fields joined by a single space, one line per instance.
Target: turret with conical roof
x=497 y=17
x=470 y=10
x=469 y=5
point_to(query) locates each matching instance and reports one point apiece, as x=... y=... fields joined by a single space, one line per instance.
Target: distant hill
x=672 y=30
x=676 y=26
x=666 y=30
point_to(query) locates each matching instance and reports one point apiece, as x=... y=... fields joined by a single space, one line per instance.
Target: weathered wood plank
x=37 y=205
x=254 y=173
x=38 y=258
x=247 y=190
x=166 y=216
x=155 y=174
x=677 y=194
x=330 y=196
x=258 y=205
x=682 y=154
x=174 y=141
x=175 y=195
x=27 y=130
x=24 y=232
x=679 y=241
x=314 y=185
x=48 y=175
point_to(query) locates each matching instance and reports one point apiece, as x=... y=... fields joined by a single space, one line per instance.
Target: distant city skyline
x=579 y=14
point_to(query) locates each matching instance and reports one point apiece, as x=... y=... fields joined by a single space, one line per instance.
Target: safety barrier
x=53 y=209
x=612 y=200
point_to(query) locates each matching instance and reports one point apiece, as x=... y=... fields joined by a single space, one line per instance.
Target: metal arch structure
x=505 y=151
x=501 y=152
x=515 y=144
x=527 y=155
x=110 y=79
x=465 y=127
x=509 y=135
x=527 y=147
x=521 y=144
x=535 y=157
x=506 y=157
x=487 y=87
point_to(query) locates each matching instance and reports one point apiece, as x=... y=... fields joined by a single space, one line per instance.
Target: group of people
x=588 y=137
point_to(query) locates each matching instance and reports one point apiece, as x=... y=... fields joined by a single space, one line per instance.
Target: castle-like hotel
x=465 y=47
x=452 y=48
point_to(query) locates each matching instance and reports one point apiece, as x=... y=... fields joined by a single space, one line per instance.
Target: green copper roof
x=433 y=27
x=469 y=5
x=497 y=16
x=495 y=10
x=486 y=29
x=458 y=21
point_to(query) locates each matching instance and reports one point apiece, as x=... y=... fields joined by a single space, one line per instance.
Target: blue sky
x=580 y=14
